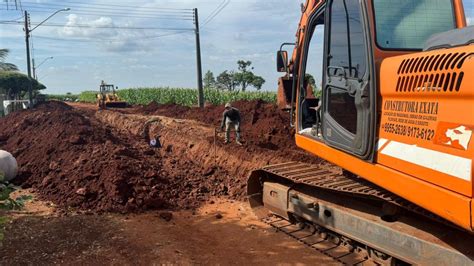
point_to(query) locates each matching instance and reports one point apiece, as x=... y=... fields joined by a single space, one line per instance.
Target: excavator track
x=348 y=219
x=339 y=181
x=323 y=245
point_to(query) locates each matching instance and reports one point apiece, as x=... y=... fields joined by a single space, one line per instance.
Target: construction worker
x=231 y=119
x=153 y=142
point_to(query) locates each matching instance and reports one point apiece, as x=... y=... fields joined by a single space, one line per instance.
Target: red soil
x=263 y=124
x=74 y=161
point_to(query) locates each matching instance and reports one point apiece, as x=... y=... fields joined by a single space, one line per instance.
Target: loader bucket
x=115 y=104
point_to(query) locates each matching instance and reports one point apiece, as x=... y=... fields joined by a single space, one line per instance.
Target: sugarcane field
x=161 y=133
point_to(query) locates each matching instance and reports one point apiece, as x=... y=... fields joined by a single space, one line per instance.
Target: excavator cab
x=348 y=40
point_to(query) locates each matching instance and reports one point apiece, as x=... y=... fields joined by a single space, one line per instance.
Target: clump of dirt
x=75 y=161
x=150 y=108
x=263 y=124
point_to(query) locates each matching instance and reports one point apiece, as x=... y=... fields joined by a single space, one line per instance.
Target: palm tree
x=4 y=66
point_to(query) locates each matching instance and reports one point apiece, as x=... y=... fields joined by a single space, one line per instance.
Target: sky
x=156 y=52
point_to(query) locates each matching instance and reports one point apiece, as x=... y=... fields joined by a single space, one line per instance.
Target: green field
x=187 y=97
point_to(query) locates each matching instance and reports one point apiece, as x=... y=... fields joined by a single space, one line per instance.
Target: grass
x=7 y=203
x=181 y=96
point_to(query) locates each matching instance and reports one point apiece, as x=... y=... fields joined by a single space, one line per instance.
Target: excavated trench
x=198 y=142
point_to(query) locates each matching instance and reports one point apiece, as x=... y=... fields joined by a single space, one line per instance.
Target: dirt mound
x=173 y=110
x=263 y=124
x=74 y=161
x=78 y=157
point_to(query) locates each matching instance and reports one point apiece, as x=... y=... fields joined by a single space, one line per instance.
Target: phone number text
x=409 y=131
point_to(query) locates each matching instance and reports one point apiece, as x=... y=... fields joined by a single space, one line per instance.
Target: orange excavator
x=396 y=121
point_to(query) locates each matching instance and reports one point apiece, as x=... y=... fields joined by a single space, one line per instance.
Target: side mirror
x=282 y=61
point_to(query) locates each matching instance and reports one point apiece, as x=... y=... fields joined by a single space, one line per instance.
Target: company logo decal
x=454 y=135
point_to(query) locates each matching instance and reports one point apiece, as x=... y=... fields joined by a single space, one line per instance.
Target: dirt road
x=112 y=194
x=220 y=232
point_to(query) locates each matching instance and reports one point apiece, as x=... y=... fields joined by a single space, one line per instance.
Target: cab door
x=348 y=109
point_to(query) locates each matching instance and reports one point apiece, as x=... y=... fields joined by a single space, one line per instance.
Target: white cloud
x=72 y=27
x=127 y=44
x=103 y=32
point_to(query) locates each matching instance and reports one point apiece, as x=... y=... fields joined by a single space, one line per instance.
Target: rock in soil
x=167 y=216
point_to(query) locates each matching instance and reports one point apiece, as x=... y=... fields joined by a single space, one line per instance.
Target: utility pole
x=28 y=57
x=27 y=39
x=34 y=68
x=198 y=61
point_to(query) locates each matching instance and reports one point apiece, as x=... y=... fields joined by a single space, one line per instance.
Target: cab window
x=346 y=40
x=407 y=24
x=347 y=57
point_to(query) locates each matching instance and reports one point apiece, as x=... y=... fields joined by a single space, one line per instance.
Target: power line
x=110 y=40
x=109 y=10
x=13 y=20
x=17 y=3
x=112 y=12
x=158 y=15
x=8 y=4
x=126 y=7
x=76 y=39
x=98 y=27
x=93 y=14
x=216 y=12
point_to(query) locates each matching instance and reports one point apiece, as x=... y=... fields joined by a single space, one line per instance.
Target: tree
x=243 y=65
x=4 y=66
x=15 y=84
x=209 y=80
x=258 y=82
x=226 y=81
x=246 y=77
x=310 y=80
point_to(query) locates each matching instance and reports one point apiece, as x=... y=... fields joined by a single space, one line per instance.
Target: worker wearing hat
x=231 y=119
